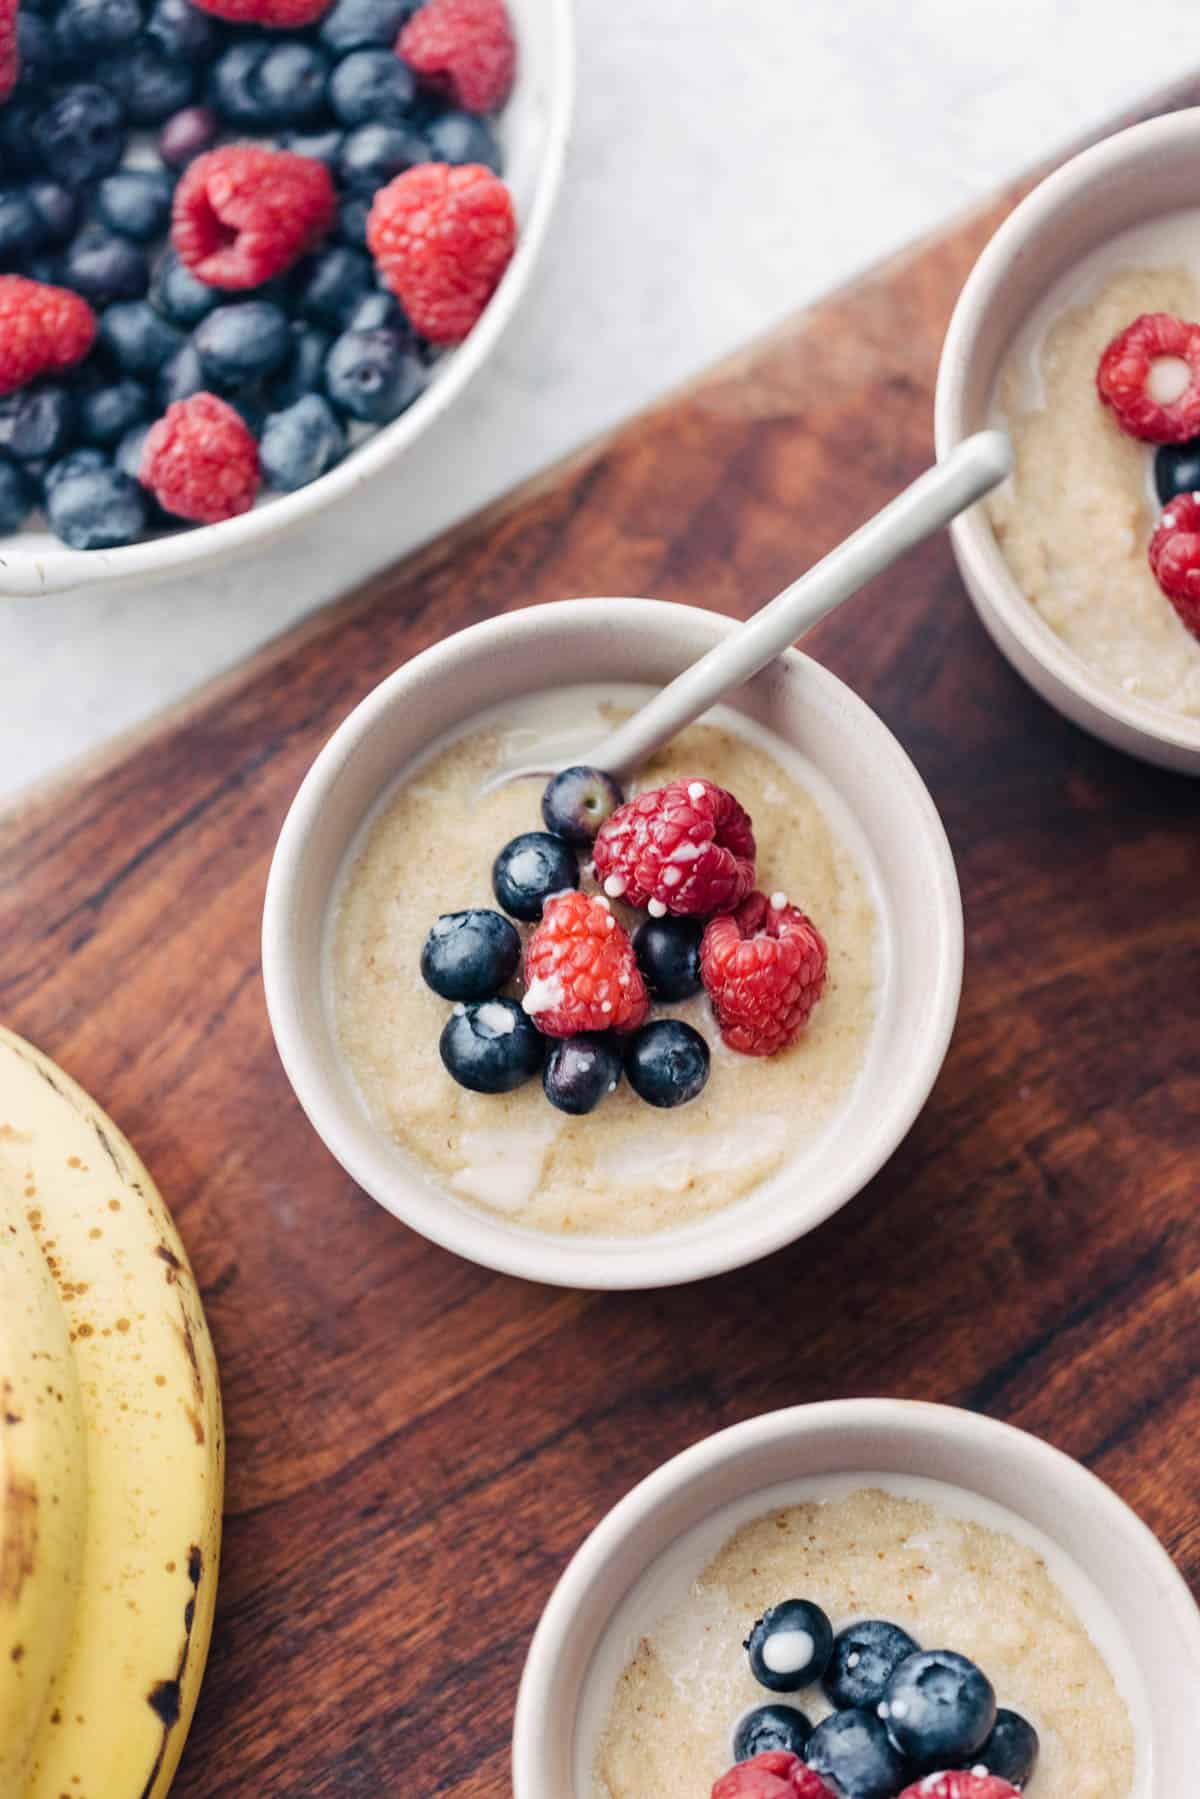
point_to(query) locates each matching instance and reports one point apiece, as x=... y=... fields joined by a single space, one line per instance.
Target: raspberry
x=465 y=48
x=200 y=461
x=43 y=329
x=764 y=969
x=274 y=14
x=960 y=1786
x=808 y=1785
x=242 y=213
x=580 y=970
x=1124 y=372
x=772 y=1775
x=686 y=848
x=441 y=238
x=10 y=54
x=1175 y=558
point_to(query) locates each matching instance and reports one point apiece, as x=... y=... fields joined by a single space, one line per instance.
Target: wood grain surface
x=416 y=1446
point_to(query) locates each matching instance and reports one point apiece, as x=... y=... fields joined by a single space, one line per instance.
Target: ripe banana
x=42 y=1493
x=108 y=1709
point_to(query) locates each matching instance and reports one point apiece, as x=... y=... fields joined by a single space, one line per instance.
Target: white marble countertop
x=730 y=161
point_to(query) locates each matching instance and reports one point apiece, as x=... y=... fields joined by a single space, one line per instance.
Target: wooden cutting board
x=416 y=1446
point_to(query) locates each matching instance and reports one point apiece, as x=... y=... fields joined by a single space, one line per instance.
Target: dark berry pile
x=900 y=1714
x=115 y=100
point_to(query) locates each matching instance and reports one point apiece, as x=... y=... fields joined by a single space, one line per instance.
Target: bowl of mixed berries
x=248 y=250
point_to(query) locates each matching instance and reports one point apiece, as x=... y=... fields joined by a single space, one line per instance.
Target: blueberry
x=321 y=146
x=470 y=955
x=372 y=375
x=939 y=1708
x=332 y=285
x=107 y=413
x=76 y=462
x=21 y=229
x=1177 y=470
x=1011 y=1751
x=102 y=267
x=264 y=84
x=57 y=209
x=299 y=444
x=457 y=137
x=181 y=377
x=790 y=1644
x=130 y=450
x=139 y=340
x=36 y=421
x=241 y=343
x=668 y=954
x=96 y=509
x=377 y=311
x=181 y=30
x=667 y=1065
x=16 y=495
x=577 y=801
x=188 y=134
x=149 y=85
x=351 y=24
x=304 y=369
x=372 y=154
x=529 y=869
x=491 y=1047
x=580 y=1071
x=291 y=83
x=135 y=203
x=352 y=219
x=80 y=135
x=853 y=1748
x=232 y=86
x=865 y=1656
x=779 y=1727
x=35 y=48
x=86 y=29
x=181 y=296
x=372 y=85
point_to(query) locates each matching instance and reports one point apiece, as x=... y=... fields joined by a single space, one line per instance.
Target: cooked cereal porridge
x=626 y=1168
x=1075 y=520
x=951 y=1581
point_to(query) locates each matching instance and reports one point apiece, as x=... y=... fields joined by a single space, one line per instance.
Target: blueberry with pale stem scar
x=578 y=801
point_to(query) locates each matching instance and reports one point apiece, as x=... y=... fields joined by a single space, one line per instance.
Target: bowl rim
x=28 y=572
x=588 y=1262
x=990 y=1437
x=991 y=584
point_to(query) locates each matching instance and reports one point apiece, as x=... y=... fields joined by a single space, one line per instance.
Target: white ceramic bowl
x=533 y=130
x=616 y=1586
x=621 y=640
x=1124 y=181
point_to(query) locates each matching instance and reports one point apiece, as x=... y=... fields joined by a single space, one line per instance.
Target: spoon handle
x=972 y=469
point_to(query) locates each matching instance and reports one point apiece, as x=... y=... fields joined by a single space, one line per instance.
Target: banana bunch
x=111 y=1455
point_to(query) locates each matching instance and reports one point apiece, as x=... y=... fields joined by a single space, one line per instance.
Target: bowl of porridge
x=1057 y=561
x=392 y=834
x=820 y=1562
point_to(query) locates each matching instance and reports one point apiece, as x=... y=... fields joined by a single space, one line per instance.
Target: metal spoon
x=971 y=470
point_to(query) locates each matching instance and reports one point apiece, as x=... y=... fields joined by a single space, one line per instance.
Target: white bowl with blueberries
x=319 y=374
x=767 y=1615
x=378 y=766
